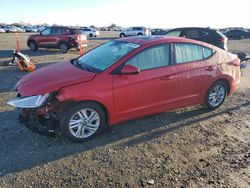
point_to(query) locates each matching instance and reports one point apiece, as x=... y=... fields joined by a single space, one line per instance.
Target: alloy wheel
x=217 y=95
x=84 y=123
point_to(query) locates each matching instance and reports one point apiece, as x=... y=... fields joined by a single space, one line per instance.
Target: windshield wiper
x=76 y=63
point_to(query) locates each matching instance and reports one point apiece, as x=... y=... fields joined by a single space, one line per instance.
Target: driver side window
x=150 y=58
x=46 y=31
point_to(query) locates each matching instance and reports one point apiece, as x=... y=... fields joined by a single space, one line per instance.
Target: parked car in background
x=19 y=29
x=158 y=32
x=41 y=28
x=135 y=31
x=125 y=79
x=10 y=29
x=29 y=29
x=90 y=32
x=104 y=29
x=62 y=38
x=237 y=34
x=207 y=35
x=2 y=30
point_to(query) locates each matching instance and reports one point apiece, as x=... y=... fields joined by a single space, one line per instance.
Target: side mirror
x=130 y=70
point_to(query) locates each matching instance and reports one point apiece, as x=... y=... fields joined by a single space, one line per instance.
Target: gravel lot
x=185 y=148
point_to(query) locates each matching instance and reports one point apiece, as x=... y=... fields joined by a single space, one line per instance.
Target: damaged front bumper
x=42 y=124
x=39 y=113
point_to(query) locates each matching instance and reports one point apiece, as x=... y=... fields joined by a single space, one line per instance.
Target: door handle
x=210 y=68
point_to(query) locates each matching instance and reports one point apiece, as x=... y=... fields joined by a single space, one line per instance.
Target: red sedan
x=125 y=79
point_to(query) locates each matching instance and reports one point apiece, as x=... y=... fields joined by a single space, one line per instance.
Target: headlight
x=29 y=102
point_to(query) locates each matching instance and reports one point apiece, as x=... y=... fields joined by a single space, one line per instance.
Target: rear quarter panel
x=223 y=71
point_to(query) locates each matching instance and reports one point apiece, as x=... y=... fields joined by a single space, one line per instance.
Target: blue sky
x=149 y=13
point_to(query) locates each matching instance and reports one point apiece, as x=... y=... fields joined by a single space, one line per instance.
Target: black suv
x=237 y=33
x=207 y=35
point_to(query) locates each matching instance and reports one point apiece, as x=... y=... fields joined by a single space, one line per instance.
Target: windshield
x=102 y=57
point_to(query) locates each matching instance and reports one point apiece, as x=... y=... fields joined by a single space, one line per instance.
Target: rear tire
x=122 y=35
x=91 y=35
x=216 y=95
x=64 y=48
x=33 y=46
x=139 y=34
x=83 y=121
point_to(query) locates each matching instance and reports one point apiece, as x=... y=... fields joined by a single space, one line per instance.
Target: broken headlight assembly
x=29 y=102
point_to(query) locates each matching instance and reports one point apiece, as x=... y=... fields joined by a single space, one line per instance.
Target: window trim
x=117 y=70
x=203 y=59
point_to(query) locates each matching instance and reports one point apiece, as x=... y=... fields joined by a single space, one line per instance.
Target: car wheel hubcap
x=84 y=123
x=63 y=47
x=217 y=95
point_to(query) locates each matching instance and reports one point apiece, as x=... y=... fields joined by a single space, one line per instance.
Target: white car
x=19 y=30
x=10 y=29
x=2 y=30
x=135 y=31
x=29 y=29
x=90 y=32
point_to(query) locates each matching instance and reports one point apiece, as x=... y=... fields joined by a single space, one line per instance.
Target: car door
x=188 y=73
x=130 y=31
x=55 y=36
x=151 y=89
x=43 y=40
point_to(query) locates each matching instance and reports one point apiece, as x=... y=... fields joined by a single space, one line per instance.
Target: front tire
x=33 y=46
x=216 y=95
x=83 y=121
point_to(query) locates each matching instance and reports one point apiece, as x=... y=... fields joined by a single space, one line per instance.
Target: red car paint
x=131 y=96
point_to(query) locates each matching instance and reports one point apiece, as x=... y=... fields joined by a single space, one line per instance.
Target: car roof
x=147 y=40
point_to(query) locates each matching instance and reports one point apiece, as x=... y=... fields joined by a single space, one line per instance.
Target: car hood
x=52 y=78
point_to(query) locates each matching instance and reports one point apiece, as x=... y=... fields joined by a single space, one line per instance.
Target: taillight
x=221 y=39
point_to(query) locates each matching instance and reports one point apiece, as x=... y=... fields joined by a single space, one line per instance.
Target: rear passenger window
x=150 y=58
x=174 y=33
x=188 y=52
x=207 y=52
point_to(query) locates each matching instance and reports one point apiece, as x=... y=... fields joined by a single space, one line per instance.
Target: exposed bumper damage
x=38 y=124
x=44 y=120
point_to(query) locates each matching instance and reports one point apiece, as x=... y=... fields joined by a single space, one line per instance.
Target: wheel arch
x=227 y=83
x=31 y=40
x=122 y=33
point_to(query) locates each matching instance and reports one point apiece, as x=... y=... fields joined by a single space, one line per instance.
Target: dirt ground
x=189 y=147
